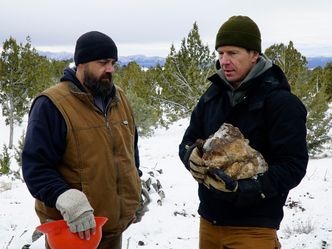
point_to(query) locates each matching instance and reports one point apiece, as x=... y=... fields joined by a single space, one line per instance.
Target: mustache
x=106 y=76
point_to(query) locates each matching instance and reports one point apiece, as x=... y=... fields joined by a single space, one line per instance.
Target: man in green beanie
x=251 y=93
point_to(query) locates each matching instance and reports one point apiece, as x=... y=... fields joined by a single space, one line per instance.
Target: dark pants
x=225 y=237
x=107 y=242
x=111 y=242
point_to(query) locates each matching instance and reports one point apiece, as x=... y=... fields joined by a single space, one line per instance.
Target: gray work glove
x=77 y=212
x=197 y=166
x=143 y=207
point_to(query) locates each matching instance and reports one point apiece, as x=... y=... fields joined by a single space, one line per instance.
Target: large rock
x=229 y=150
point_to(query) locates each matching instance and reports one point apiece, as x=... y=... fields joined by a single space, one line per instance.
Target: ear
x=80 y=66
x=255 y=56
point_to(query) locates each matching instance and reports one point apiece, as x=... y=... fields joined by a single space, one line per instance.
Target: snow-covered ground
x=174 y=223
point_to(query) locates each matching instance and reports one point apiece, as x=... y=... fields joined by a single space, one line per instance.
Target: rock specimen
x=229 y=150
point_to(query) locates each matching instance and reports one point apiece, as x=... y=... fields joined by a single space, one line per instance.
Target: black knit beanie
x=239 y=31
x=94 y=45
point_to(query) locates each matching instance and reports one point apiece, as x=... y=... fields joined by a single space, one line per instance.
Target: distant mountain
x=142 y=60
x=152 y=61
x=318 y=61
x=56 y=55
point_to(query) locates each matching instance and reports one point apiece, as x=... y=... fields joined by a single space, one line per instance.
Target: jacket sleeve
x=44 y=146
x=287 y=147
x=192 y=133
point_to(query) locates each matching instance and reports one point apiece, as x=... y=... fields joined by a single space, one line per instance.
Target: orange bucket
x=59 y=236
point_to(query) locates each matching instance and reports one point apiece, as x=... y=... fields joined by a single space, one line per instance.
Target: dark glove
x=246 y=192
x=219 y=180
x=249 y=193
x=251 y=185
x=228 y=184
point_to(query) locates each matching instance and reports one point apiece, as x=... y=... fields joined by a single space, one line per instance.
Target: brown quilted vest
x=99 y=156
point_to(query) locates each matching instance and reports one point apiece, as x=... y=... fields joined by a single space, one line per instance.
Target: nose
x=224 y=59
x=109 y=68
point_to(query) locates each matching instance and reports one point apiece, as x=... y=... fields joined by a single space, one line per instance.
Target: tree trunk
x=11 y=134
x=11 y=123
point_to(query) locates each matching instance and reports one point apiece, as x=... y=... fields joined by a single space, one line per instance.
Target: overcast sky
x=149 y=27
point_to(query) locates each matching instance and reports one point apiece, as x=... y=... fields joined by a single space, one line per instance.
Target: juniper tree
x=310 y=88
x=328 y=80
x=22 y=71
x=140 y=87
x=185 y=73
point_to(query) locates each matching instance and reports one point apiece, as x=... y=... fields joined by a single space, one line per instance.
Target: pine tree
x=328 y=80
x=4 y=161
x=140 y=88
x=291 y=62
x=310 y=88
x=21 y=72
x=184 y=77
x=319 y=119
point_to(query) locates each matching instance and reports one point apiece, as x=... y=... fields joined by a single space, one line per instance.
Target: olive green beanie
x=239 y=31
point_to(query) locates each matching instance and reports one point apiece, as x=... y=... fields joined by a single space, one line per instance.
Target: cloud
x=152 y=26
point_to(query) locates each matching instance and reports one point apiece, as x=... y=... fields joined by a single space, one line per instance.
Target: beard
x=98 y=86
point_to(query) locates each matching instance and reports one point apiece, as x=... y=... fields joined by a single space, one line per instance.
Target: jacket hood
x=69 y=74
x=263 y=64
x=265 y=70
x=271 y=79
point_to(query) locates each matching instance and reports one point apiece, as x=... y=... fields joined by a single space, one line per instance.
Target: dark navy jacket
x=45 y=143
x=273 y=119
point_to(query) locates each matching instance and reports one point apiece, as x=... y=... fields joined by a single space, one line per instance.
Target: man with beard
x=81 y=147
